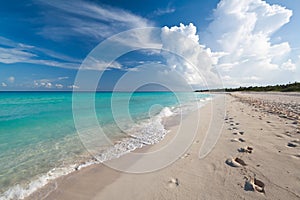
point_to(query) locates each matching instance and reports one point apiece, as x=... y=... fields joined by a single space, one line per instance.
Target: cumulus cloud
x=242 y=31
x=44 y=83
x=187 y=55
x=11 y=79
x=59 y=86
x=3 y=84
x=289 y=65
x=186 y=64
x=49 y=83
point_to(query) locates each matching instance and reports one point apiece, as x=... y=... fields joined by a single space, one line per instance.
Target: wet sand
x=256 y=157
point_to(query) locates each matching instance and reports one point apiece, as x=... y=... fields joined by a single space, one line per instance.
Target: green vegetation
x=291 y=87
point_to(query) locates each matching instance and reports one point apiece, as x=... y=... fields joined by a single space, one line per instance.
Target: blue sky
x=42 y=44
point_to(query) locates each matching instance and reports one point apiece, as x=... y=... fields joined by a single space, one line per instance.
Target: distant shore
x=290 y=87
x=256 y=157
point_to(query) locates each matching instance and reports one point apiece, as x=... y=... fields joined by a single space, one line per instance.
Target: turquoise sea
x=39 y=140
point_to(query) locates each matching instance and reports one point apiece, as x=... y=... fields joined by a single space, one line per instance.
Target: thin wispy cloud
x=79 y=18
x=165 y=11
x=14 y=52
x=65 y=19
x=92 y=63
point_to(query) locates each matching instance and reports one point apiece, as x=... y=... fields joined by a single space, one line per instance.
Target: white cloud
x=12 y=55
x=77 y=18
x=252 y=78
x=186 y=62
x=23 y=53
x=3 y=84
x=11 y=79
x=242 y=30
x=169 y=9
x=63 y=78
x=42 y=83
x=289 y=65
x=73 y=86
x=59 y=86
x=226 y=78
x=188 y=56
x=73 y=18
x=48 y=85
x=95 y=64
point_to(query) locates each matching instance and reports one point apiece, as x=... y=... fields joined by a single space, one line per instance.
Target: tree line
x=290 y=87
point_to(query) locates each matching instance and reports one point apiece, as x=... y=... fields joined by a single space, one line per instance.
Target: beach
x=151 y=100
x=256 y=157
x=46 y=135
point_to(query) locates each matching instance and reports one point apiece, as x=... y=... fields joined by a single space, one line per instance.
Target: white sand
x=268 y=166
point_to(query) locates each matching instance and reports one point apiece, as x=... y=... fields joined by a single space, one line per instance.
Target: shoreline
x=110 y=174
x=270 y=170
x=48 y=179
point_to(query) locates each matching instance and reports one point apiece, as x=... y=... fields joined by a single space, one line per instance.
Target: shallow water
x=38 y=134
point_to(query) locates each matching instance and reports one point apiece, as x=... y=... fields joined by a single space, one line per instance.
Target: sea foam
x=146 y=132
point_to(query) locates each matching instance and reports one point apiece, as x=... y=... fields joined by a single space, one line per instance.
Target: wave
x=146 y=132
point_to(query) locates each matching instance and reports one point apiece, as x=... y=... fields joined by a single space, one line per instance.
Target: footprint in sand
x=292 y=144
x=237 y=140
x=235 y=162
x=173 y=182
x=296 y=141
x=254 y=185
x=287 y=133
x=245 y=150
x=241 y=132
x=280 y=136
x=296 y=156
